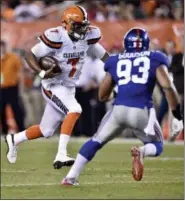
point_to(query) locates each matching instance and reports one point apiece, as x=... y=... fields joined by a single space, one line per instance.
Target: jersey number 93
x=143 y=65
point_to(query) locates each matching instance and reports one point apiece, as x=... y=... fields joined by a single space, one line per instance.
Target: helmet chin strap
x=73 y=37
x=76 y=36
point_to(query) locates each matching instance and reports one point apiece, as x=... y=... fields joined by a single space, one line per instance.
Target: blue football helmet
x=136 y=39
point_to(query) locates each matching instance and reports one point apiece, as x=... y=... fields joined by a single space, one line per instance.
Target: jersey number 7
x=143 y=65
x=73 y=62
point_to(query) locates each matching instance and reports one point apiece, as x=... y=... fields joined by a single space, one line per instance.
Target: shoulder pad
x=160 y=57
x=93 y=35
x=52 y=37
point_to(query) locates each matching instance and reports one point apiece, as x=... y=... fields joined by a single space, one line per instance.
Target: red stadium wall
x=21 y=35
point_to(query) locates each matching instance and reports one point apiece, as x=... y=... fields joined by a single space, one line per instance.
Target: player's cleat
x=69 y=182
x=11 y=148
x=62 y=160
x=137 y=163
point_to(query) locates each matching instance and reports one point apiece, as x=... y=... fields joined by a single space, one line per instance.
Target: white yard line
x=166 y=158
x=93 y=183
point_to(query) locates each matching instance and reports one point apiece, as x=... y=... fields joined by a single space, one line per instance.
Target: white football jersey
x=70 y=54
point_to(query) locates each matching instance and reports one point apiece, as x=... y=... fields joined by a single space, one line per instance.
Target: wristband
x=42 y=74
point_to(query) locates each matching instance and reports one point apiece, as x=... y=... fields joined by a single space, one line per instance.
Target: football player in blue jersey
x=135 y=73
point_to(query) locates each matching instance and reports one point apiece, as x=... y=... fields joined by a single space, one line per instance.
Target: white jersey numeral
x=124 y=68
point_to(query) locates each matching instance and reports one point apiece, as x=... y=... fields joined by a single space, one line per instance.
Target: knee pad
x=159 y=147
x=89 y=149
x=47 y=132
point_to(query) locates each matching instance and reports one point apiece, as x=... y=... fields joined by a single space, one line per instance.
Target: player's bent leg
x=159 y=147
x=86 y=154
x=46 y=129
x=51 y=121
x=107 y=130
x=62 y=159
x=89 y=149
x=63 y=99
x=11 y=153
x=12 y=141
x=151 y=149
x=153 y=143
x=137 y=163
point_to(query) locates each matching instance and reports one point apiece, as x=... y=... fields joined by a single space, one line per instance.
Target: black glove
x=177 y=112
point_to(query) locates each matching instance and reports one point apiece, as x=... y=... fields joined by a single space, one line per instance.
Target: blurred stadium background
x=23 y=20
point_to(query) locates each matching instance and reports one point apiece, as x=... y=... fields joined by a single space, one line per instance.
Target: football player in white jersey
x=69 y=44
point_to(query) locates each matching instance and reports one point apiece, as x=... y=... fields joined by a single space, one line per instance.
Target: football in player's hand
x=49 y=62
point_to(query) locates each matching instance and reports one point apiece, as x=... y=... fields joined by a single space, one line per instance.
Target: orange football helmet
x=76 y=21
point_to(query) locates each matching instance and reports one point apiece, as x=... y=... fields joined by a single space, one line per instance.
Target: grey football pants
x=121 y=118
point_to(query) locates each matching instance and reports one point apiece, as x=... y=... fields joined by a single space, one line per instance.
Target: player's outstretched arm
x=169 y=90
x=105 y=92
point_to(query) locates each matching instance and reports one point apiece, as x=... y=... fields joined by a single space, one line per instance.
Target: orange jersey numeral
x=73 y=62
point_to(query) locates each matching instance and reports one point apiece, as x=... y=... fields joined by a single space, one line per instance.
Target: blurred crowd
x=23 y=95
x=112 y=10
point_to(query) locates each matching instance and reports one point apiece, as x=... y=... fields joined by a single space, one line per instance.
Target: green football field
x=108 y=176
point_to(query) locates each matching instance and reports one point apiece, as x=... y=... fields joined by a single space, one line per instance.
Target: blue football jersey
x=135 y=76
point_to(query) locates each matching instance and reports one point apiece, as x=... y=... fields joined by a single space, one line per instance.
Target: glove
x=177 y=112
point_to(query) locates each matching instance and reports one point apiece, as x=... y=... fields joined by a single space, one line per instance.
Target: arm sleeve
x=50 y=41
x=52 y=38
x=93 y=36
x=162 y=58
x=96 y=50
x=107 y=65
x=41 y=50
x=110 y=67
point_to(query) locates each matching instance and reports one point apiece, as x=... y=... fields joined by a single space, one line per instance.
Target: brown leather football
x=48 y=62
